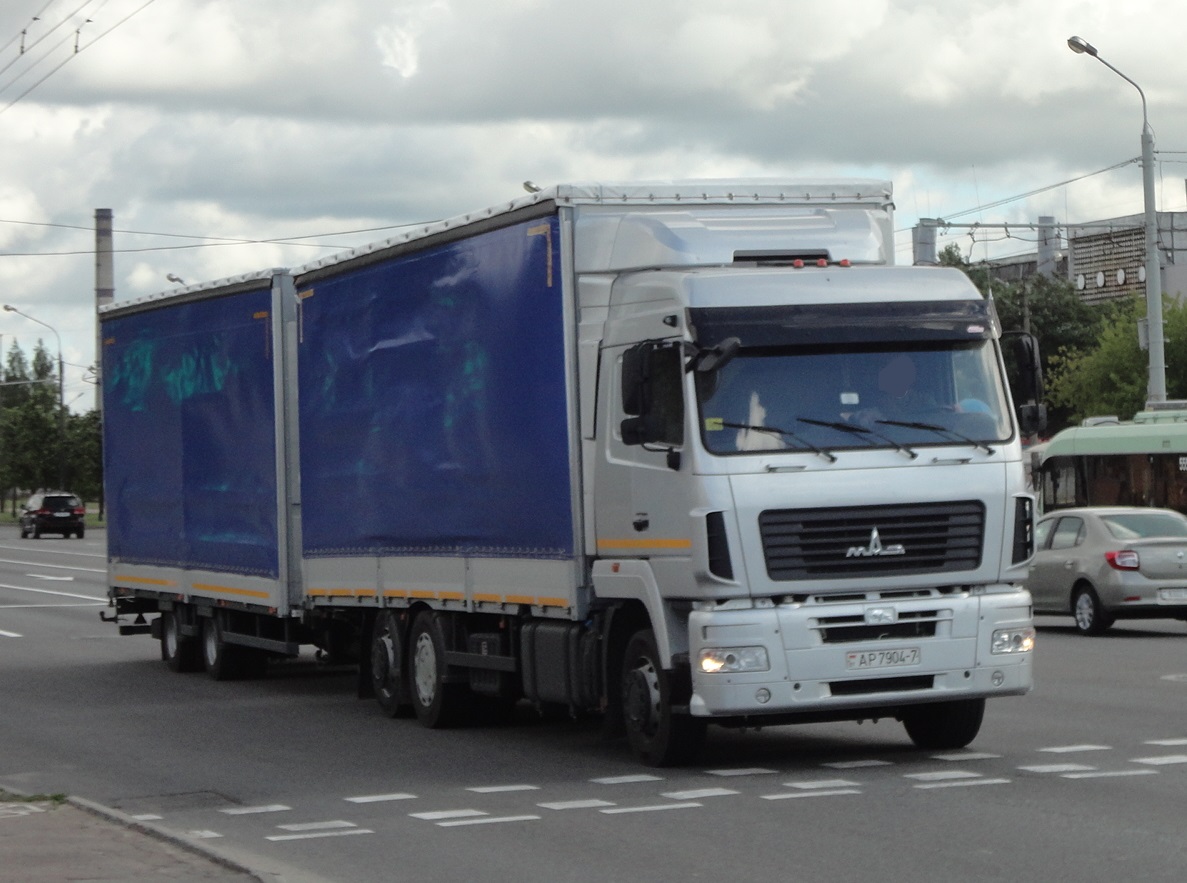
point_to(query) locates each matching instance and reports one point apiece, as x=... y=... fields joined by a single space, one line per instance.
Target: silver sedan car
x=1101 y=564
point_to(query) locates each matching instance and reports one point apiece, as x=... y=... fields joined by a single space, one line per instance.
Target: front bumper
x=880 y=651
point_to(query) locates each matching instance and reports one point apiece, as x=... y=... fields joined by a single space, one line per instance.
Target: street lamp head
x=9 y=308
x=1080 y=46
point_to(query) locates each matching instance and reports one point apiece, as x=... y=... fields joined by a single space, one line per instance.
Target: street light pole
x=9 y=308
x=1156 y=389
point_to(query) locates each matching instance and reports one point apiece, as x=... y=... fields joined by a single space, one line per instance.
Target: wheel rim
x=171 y=640
x=642 y=698
x=1085 y=611
x=383 y=660
x=425 y=674
x=210 y=644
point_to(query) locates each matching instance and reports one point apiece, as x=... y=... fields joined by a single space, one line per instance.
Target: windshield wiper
x=775 y=430
x=854 y=429
x=931 y=427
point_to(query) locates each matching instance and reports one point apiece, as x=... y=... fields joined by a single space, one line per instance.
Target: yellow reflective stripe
x=230 y=590
x=143 y=580
x=645 y=544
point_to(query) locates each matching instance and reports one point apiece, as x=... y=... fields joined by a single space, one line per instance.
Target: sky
x=229 y=136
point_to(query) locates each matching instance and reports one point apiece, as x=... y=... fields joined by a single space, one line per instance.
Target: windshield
x=816 y=398
x=1146 y=524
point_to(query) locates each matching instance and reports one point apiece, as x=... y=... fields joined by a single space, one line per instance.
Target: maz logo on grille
x=875 y=549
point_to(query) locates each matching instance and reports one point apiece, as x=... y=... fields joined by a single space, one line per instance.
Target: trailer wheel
x=657 y=734
x=387 y=666
x=945 y=725
x=436 y=702
x=181 y=652
x=228 y=662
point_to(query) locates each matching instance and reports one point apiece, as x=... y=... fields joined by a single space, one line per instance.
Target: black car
x=53 y=512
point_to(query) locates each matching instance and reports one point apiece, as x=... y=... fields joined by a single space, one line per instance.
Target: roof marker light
x=798 y=264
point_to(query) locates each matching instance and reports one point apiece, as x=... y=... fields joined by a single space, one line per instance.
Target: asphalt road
x=1085 y=779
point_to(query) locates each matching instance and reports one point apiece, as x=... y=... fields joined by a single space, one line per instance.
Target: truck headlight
x=1013 y=641
x=732 y=659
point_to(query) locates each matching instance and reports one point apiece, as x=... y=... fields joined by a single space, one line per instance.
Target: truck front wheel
x=658 y=735
x=945 y=726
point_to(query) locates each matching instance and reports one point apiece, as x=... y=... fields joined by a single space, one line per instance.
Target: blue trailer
x=543 y=453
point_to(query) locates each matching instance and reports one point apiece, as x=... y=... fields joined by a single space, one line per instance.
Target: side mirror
x=1024 y=371
x=1032 y=418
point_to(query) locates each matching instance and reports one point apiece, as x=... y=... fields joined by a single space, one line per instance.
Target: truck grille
x=872 y=540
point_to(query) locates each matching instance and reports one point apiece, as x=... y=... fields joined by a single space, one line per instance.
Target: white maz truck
x=678 y=453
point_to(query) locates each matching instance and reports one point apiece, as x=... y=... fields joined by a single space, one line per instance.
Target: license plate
x=1172 y=594
x=61 y=514
x=861 y=660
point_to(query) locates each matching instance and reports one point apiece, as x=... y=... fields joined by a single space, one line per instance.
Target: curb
x=197 y=847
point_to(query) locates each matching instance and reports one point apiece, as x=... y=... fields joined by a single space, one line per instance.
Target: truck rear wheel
x=387 y=666
x=945 y=725
x=436 y=701
x=228 y=662
x=180 y=652
x=658 y=735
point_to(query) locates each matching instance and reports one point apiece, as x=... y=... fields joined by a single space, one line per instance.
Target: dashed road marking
x=314 y=835
x=503 y=789
x=4 y=634
x=253 y=810
x=203 y=834
x=821 y=784
x=963 y=783
x=1070 y=749
x=1110 y=774
x=1161 y=761
x=942 y=776
x=379 y=798
x=697 y=794
x=660 y=807
x=488 y=820
x=318 y=826
x=575 y=804
x=1057 y=768
x=1166 y=742
x=857 y=764
x=833 y=792
x=627 y=780
x=744 y=771
x=442 y=814
x=148 y=817
x=966 y=755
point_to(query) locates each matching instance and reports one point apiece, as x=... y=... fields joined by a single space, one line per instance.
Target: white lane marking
x=489 y=820
x=503 y=789
x=655 y=808
x=961 y=784
x=148 y=817
x=379 y=798
x=1068 y=749
x=437 y=815
x=575 y=804
x=313 y=835
x=1161 y=761
x=627 y=780
x=58 y=553
x=318 y=826
x=1110 y=774
x=835 y=792
x=966 y=755
x=46 y=576
x=1166 y=742
x=51 y=592
x=941 y=776
x=203 y=834
x=697 y=794
x=51 y=606
x=253 y=810
x=825 y=784
x=4 y=634
x=856 y=764
x=1057 y=768
x=744 y=771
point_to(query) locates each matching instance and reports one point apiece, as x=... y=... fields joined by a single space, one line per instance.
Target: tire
x=1091 y=617
x=228 y=662
x=182 y=653
x=36 y=531
x=81 y=532
x=436 y=701
x=945 y=726
x=658 y=735
x=24 y=532
x=388 y=680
